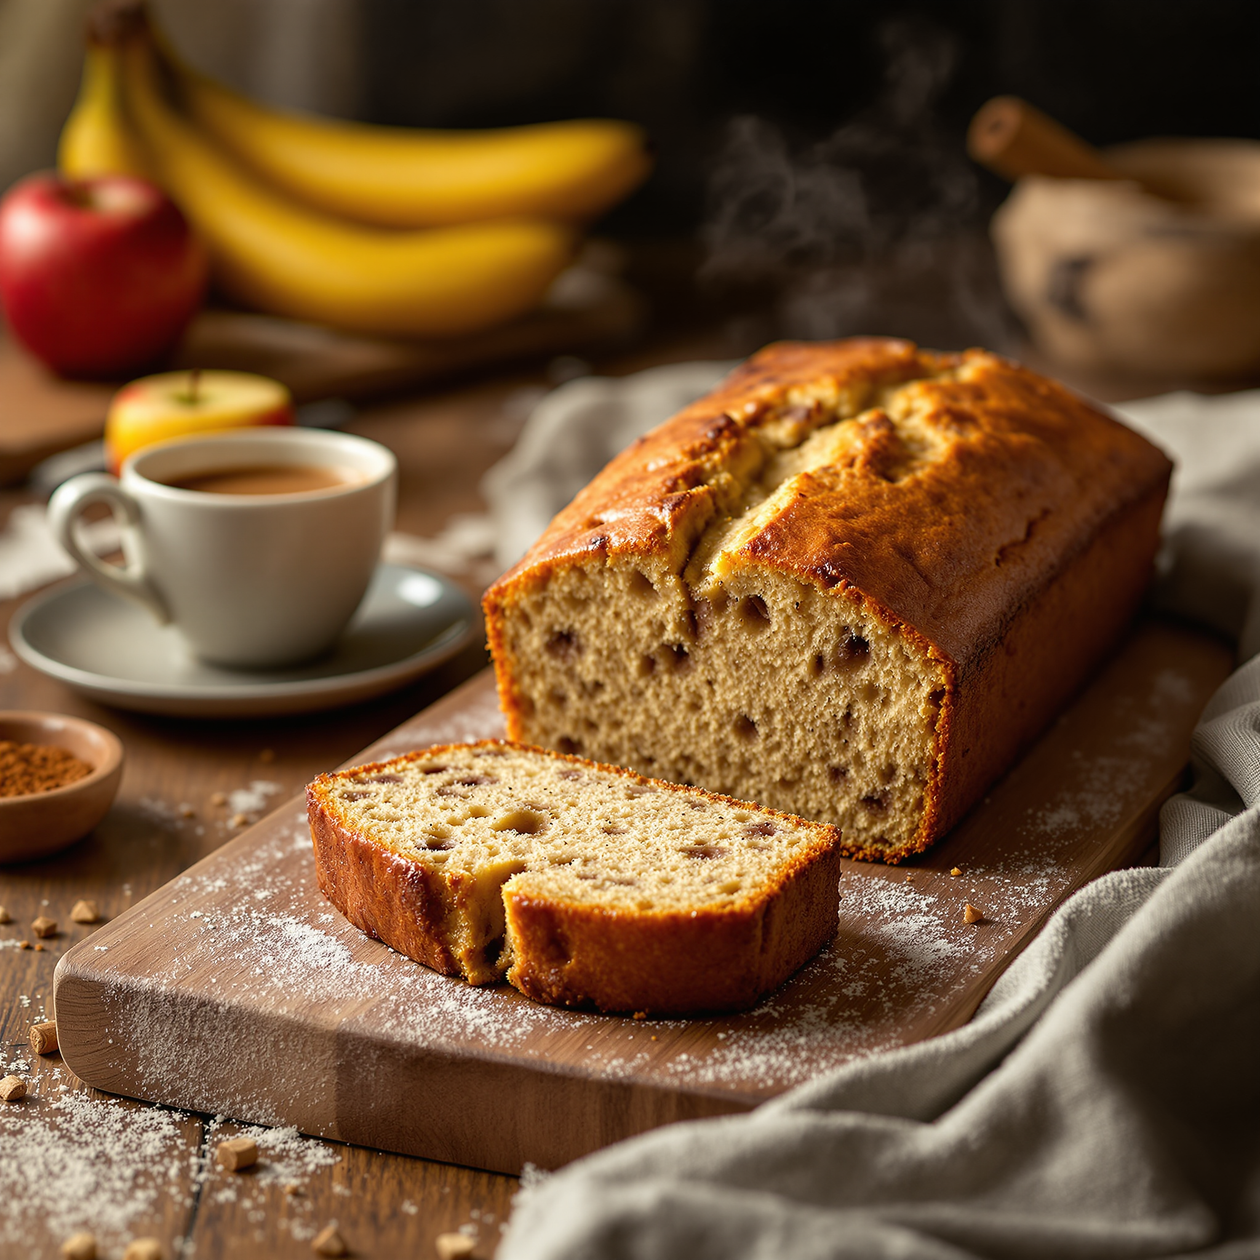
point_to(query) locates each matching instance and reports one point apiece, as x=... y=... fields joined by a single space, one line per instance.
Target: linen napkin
x=1105 y=1100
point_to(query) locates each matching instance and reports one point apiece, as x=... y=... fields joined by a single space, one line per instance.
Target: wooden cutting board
x=236 y=989
x=41 y=415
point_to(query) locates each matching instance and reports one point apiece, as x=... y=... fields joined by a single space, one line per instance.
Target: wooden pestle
x=1012 y=138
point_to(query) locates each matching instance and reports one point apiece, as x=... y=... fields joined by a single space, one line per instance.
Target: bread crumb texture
x=747 y=685
x=580 y=883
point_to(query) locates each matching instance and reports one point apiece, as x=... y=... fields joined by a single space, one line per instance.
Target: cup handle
x=65 y=507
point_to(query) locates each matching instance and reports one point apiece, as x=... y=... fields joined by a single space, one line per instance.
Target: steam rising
x=876 y=229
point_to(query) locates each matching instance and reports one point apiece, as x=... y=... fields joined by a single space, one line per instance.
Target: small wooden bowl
x=1156 y=274
x=40 y=823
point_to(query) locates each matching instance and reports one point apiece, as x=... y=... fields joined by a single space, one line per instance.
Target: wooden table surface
x=386 y=1205
x=151 y=1172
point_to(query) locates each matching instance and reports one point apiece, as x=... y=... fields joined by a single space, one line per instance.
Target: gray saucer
x=111 y=650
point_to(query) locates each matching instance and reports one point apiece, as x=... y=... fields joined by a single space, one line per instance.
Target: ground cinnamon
x=27 y=768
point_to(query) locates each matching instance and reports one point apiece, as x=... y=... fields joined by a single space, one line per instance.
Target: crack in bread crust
x=695 y=612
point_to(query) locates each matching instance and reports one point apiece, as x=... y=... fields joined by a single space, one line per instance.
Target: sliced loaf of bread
x=583 y=884
x=854 y=583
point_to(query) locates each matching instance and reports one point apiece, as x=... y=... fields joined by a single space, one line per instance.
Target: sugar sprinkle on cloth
x=1105 y=1099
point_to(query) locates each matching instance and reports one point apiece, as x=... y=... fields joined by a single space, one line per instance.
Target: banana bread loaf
x=852 y=583
x=584 y=884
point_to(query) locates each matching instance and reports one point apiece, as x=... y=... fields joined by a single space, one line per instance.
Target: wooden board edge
x=1141 y=833
x=341 y=1083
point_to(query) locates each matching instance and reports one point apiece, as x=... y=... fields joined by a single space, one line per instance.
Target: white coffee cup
x=248 y=579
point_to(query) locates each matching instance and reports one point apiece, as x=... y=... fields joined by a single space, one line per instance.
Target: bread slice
x=583 y=884
x=852 y=583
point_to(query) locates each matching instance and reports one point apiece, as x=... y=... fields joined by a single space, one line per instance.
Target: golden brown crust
x=571 y=954
x=1009 y=694
x=1039 y=474
x=354 y=874
x=963 y=558
x=674 y=963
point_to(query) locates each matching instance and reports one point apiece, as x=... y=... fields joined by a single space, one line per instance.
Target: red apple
x=98 y=277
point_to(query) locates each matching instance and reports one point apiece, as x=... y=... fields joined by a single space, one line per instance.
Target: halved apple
x=176 y=404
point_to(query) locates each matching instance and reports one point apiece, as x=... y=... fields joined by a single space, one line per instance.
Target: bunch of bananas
x=374 y=229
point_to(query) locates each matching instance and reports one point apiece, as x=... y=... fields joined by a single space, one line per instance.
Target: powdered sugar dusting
x=274 y=950
x=253 y=799
x=73 y=1163
x=1104 y=785
x=285 y=1159
x=72 y=1160
x=269 y=962
x=161 y=813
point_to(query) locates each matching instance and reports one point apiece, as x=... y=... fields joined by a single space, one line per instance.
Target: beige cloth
x=1104 y=1101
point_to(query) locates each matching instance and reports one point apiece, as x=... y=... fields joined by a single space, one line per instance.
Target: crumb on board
x=143 y=1249
x=5 y=916
x=238 y=820
x=80 y=1246
x=44 y=926
x=237 y=1154
x=971 y=914
x=329 y=1242
x=955 y=871
x=453 y=1246
x=218 y=798
x=44 y=1037
x=85 y=911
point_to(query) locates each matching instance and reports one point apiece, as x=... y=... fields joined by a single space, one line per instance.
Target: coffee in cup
x=256 y=544
x=267 y=479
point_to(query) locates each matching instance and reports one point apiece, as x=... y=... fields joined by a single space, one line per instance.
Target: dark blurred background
x=811 y=175
x=811 y=151
x=1111 y=69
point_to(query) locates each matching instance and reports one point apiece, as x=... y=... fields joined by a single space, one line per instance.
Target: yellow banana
x=395 y=177
x=96 y=139
x=284 y=258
